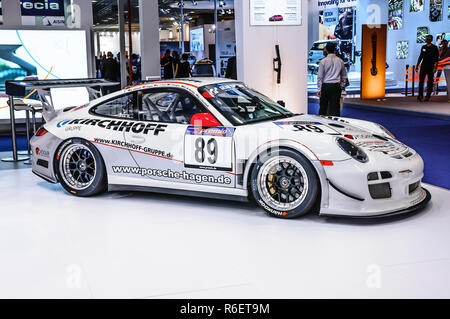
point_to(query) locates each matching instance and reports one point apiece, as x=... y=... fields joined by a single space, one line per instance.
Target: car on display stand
x=218 y=138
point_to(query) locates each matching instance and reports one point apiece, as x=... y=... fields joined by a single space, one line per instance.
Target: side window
x=122 y=107
x=169 y=107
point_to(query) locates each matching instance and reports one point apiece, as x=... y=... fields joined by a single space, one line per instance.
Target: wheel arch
x=68 y=141
x=299 y=148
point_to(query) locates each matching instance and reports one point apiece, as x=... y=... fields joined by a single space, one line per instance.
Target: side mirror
x=205 y=120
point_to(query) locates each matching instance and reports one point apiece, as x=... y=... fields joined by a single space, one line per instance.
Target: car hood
x=319 y=134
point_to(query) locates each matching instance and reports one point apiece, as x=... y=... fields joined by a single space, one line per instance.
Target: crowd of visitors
x=174 y=66
x=108 y=67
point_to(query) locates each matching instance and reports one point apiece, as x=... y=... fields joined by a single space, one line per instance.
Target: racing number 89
x=211 y=149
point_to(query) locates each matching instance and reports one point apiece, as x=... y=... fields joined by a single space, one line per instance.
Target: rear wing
x=42 y=87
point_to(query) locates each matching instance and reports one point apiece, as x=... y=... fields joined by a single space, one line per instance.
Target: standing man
x=231 y=71
x=429 y=55
x=331 y=79
x=110 y=71
x=167 y=64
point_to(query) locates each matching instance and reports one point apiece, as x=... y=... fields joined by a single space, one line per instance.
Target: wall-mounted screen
x=280 y=12
x=436 y=9
x=197 y=39
x=422 y=33
x=402 y=49
x=395 y=14
x=31 y=54
x=416 y=5
x=442 y=36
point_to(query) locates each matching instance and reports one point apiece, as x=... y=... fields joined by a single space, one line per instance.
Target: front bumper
x=349 y=187
x=419 y=206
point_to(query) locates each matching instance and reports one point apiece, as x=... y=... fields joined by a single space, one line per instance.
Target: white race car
x=218 y=138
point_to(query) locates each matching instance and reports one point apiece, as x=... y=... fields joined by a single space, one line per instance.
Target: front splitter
x=410 y=209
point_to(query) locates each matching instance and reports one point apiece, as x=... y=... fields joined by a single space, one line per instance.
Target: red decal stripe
x=127 y=149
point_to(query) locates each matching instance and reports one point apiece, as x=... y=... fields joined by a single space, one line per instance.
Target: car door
x=112 y=118
x=180 y=153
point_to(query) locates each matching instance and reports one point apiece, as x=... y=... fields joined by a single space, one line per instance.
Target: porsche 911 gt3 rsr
x=220 y=139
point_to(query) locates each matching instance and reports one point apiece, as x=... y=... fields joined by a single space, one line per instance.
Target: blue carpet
x=429 y=137
x=6 y=143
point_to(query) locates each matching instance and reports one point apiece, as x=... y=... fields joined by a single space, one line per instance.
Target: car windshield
x=241 y=105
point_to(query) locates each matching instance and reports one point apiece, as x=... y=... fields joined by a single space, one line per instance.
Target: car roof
x=191 y=84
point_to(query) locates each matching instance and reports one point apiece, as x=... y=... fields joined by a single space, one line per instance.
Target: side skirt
x=116 y=187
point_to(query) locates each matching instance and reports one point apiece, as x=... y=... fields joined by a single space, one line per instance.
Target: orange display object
x=373 y=61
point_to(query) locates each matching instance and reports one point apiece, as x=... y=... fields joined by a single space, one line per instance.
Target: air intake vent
x=42 y=163
x=385 y=175
x=413 y=187
x=379 y=191
x=408 y=154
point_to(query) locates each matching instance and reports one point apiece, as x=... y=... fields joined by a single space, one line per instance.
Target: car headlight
x=353 y=150
x=385 y=130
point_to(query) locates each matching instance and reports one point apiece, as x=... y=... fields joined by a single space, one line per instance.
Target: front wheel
x=284 y=184
x=80 y=168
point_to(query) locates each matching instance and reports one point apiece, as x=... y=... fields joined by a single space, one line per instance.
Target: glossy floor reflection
x=139 y=245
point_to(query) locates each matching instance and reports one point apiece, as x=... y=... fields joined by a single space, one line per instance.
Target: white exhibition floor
x=143 y=245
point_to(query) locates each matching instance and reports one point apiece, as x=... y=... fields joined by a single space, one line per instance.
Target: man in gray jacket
x=331 y=79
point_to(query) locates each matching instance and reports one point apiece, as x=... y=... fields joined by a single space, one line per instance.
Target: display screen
x=402 y=49
x=395 y=14
x=442 y=36
x=422 y=33
x=436 y=9
x=197 y=40
x=281 y=12
x=416 y=5
x=42 y=54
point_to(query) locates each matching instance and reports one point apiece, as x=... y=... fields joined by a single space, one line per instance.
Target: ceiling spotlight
x=194 y=2
x=222 y=3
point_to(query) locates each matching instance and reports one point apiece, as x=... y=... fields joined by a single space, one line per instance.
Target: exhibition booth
x=196 y=186
x=408 y=22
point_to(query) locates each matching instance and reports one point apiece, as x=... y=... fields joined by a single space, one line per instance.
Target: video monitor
x=40 y=54
x=197 y=39
x=402 y=49
x=416 y=5
x=422 y=33
x=442 y=36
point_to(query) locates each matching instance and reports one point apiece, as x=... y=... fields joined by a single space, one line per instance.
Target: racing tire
x=284 y=183
x=80 y=168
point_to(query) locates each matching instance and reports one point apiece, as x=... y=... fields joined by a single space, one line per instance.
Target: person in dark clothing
x=175 y=57
x=231 y=71
x=444 y=54
x=136 y=64
x=183 y=68
x=429 y=55
x=110 y=71
x=331 y=79
x=166 y=63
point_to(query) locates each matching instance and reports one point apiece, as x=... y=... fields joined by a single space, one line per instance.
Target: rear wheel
x=80 y=168
x=284 y=184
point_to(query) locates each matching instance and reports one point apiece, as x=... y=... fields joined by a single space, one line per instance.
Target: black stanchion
x=15 y=157
x=406 y=80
